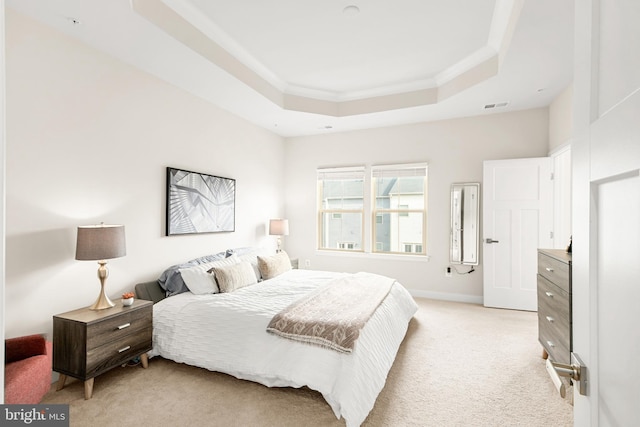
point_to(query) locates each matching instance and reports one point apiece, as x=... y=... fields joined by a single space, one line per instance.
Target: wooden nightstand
x=87 y=343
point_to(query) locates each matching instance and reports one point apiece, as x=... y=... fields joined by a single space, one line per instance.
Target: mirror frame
x=465 y=223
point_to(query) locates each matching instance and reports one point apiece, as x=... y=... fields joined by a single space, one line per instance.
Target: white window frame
x=346 y=172
x=413 y=169
x=369 y=212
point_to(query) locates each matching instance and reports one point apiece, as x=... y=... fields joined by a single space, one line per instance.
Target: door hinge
x=552 y=176
x=551 y=234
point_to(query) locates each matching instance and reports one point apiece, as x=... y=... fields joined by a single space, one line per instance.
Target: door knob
x=489 y=241
x=577 y=371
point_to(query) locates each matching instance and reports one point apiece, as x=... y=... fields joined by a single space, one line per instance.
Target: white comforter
x=227 y=333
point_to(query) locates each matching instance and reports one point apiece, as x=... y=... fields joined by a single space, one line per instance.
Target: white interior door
x=606 y=211
x=517 y=220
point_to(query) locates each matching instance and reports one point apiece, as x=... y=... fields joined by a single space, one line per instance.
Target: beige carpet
x=460 y=365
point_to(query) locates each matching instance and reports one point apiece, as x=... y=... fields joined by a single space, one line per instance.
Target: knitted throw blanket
x=333 y=315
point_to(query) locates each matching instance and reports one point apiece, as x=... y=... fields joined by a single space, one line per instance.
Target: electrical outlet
x=447 y=272
x=307 y=263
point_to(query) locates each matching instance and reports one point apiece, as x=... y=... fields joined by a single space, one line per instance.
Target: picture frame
x=199 y=203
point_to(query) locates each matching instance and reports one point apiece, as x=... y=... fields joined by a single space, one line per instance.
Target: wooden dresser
x=87 y=343
x=554 y=304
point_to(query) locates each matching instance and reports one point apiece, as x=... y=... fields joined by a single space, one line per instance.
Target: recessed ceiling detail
x=193 y=23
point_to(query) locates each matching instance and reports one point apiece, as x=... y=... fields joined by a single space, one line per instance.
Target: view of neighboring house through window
x=341 y=208
x=398 y=209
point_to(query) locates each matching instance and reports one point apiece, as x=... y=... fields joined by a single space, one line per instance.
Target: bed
x=226 y=332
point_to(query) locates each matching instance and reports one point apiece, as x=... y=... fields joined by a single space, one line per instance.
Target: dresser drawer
x=554 y=303
x=556 y=346
x=554 y=270
x=104 y=357
x=117 y=327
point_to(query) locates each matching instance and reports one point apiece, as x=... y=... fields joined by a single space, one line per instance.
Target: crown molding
x=184 y=22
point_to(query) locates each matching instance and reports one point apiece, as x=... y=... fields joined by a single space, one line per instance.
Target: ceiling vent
x=497 y=105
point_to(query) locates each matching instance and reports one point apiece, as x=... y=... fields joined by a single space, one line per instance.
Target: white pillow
x=199 y=278
x=233 y=277
x=272 y=266
x=199 y=281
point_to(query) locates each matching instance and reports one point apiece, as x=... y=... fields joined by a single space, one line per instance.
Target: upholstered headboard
x=150 y=291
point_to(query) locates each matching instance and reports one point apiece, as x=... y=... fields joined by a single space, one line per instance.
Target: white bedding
x=227 y=333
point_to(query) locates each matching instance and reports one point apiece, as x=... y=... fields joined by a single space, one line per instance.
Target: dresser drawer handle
x=550 y=344
x=126 y=325
x=550 y=319
x=549 y=269
x=549 y=294
x=128 y=347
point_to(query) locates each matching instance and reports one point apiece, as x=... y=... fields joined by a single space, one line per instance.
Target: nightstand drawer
x=113 y=353
x=88 y=342
x=118 y=327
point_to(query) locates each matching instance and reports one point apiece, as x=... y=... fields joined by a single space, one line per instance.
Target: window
x=346 y=245
x=400 y=198
x=412 y=247
x=393 y=207
x=341 y=209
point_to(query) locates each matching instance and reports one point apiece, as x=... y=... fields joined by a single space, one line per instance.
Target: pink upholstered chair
x=27 y=369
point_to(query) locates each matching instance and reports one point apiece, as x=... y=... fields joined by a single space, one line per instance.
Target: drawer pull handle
x=549 y=294
x=549 y=269
x=126 y=325
x=128 y=347
x=550 y=344
x=550 y=319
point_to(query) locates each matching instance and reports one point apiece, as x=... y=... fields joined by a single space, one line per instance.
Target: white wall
x=561 y=119
x=88 y=140
x=560 y=131
x=454 y=149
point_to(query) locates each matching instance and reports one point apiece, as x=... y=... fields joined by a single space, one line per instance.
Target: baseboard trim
x=445 y=296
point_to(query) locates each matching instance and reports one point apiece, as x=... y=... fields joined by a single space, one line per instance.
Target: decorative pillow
x=199 y=279
x=252 y=257
x=233 y=277
x=272 y=266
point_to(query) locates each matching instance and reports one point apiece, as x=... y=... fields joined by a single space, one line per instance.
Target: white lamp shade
x=100 y=242
x=279 y=227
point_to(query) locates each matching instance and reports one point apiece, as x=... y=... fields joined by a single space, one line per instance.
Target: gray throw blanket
x=333 y=315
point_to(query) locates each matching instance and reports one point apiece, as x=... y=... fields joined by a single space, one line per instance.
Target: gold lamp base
x=103 y=300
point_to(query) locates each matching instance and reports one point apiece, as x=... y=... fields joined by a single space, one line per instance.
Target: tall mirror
x=465 y=233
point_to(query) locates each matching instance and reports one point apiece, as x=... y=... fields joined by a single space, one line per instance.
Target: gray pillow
x=171 y=280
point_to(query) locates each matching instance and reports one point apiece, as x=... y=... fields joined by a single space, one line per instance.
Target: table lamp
x=99 y=243
x=279 y=227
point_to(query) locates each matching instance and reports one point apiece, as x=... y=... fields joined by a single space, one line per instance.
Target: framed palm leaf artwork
x=199 y=203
